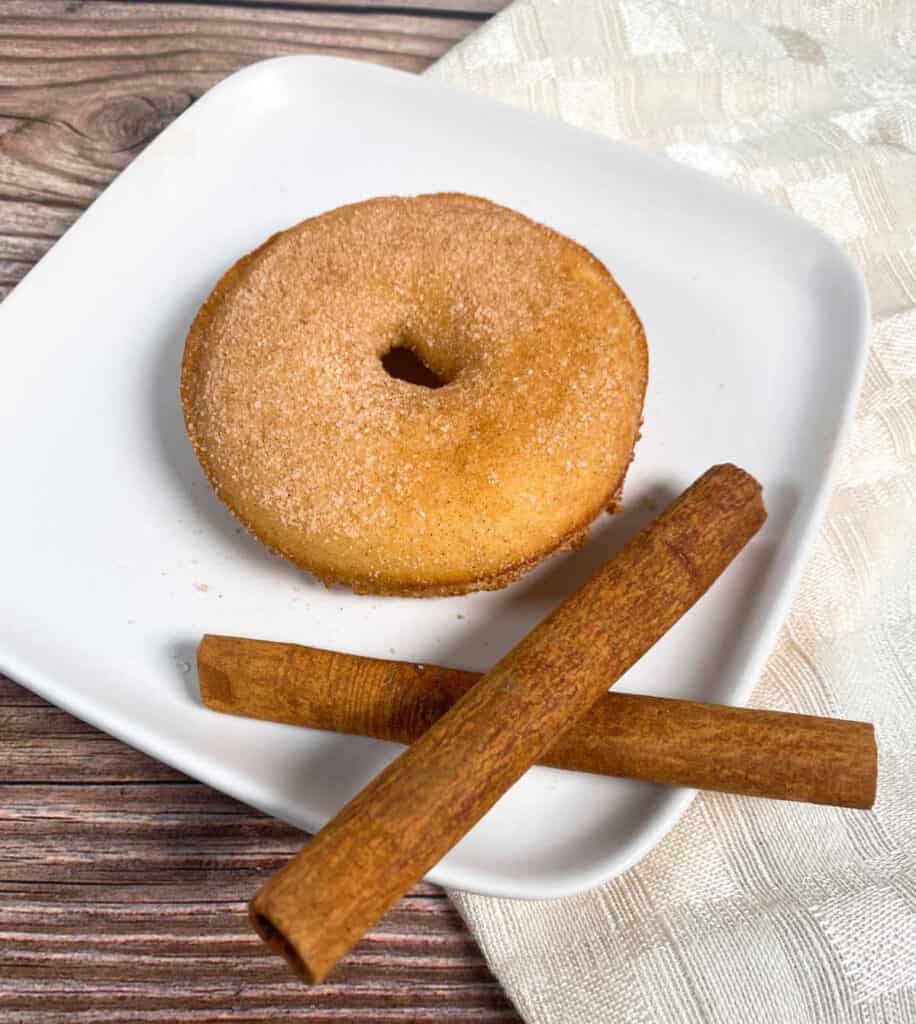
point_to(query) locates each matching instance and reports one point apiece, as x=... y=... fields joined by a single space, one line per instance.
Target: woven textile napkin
x=759 y=910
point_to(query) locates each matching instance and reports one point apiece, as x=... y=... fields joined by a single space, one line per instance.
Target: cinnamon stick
x=654 y=739
x=416 y=809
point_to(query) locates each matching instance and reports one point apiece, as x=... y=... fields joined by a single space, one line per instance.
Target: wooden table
x=123 y=883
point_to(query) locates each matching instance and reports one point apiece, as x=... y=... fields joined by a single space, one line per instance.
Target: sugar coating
x=386 y=485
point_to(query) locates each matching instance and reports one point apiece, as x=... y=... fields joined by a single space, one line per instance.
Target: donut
x=416 y=396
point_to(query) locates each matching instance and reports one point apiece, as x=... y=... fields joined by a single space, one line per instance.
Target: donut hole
x=402 y=363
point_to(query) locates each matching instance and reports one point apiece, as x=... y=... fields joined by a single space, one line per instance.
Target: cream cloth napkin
x=758 y=910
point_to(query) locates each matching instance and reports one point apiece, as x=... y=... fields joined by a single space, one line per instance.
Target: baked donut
x=512 y=430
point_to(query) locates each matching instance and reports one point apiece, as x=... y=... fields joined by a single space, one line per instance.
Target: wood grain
x=122 y=883
x=122 y=897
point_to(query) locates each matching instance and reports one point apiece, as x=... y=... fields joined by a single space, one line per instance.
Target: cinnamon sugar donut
x=397 y=487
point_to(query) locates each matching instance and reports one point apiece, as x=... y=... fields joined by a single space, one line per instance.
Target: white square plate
x=115 y=556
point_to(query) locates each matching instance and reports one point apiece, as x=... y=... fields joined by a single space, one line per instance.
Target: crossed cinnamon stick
x=521 y=711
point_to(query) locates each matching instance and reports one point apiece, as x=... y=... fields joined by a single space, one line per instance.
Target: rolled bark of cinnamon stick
x=416 y=809
x=676 y=742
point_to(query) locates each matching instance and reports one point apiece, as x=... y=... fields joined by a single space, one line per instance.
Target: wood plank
x=108 y=887
x=448 y=8
x=85 y=86
x=481 y=9
x=85 y=759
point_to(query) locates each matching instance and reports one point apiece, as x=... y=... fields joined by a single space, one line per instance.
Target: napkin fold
x=758 y=910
